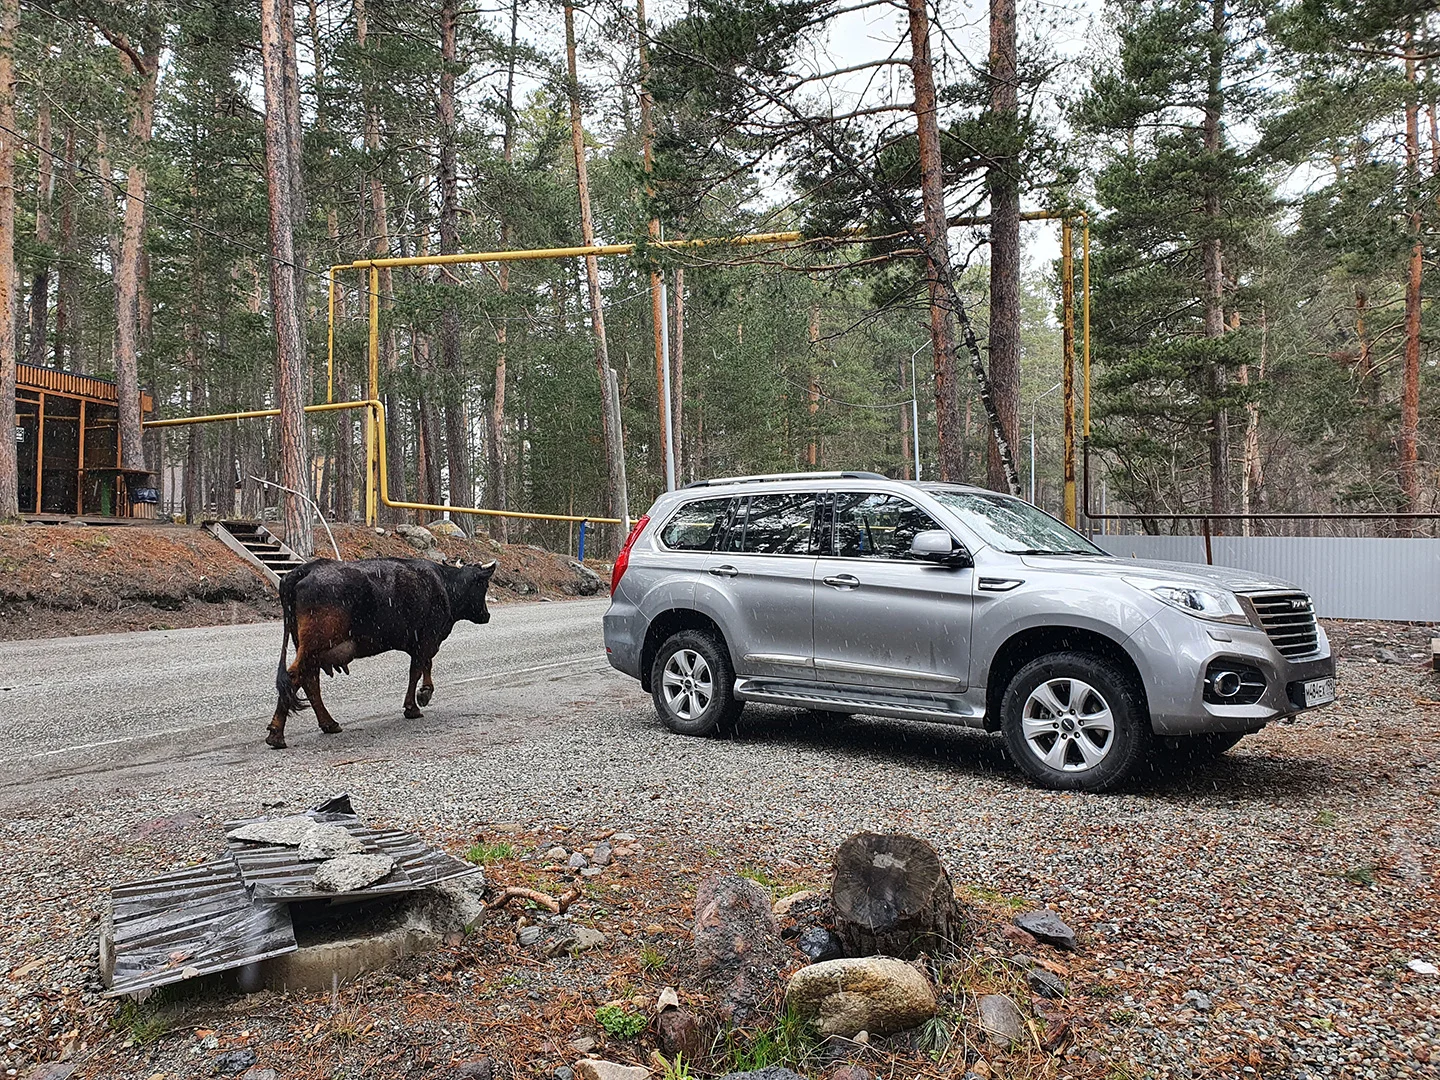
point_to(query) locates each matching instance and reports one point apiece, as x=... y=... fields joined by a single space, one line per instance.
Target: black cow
x=336 y=612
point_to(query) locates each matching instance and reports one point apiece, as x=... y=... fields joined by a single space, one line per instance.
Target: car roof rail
x=760 y=478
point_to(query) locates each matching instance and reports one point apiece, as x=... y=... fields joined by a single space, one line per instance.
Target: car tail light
x=622 y=561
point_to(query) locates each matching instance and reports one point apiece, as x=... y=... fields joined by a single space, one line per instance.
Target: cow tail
x=290 y=700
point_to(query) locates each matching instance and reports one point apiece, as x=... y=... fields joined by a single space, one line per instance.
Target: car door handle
x=724 y=571
x=842 y=581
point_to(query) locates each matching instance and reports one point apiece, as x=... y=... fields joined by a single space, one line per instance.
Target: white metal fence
x=1348 y=577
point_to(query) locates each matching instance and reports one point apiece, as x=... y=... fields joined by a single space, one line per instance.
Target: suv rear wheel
x=693 y=685
x=1075 y=722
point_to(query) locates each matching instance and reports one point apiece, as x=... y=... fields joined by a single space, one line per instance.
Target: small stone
x=329 y=842
x=602 y=855
x=785 y=903
x=1199 y=1001
x=623 y=837
x=351 y=872
x=564 y=1072
x=1001 y=1021
x=233 y=1062
x=417 y=536
x=1017 y=937
x=210 y=1042
x=557 y=853
x=770 y=1072
x=583 y=1045
x=819 y=945
x=1048 y=927
x=528 y=935
x=586 y=938
x=577 y=861
x=1423 y=967
x=1045 y=984
x=850 y=1072
x=592 y=871
x=593 y=1069
x=1387 y=656
x=285 y=831
x=261 y=1074
x=680 y=1033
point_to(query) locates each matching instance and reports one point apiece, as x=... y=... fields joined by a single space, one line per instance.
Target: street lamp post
x=1033 y=404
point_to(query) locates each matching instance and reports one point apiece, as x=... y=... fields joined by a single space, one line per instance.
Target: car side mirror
x=937 y=545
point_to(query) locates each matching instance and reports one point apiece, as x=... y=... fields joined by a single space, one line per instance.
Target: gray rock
x=417 y=536
x=58 y=1070
x=351 y=872
x=877 y=994
x=528 y=935
x=583 y=1045
x=285 y=831
x=556 y=853
x=233 y=1062
x=564 y=1072
x=571 y=939
x=592 y=871
x=577 y=861
x=770 y=1072
x=593 y=1069
x=261 y=1074
x=1000 y=1019
x=1422 y=967
x=739 y=956
x=329 y=842
x=1199 y=1001
x=1048 y=927
x=586 y=938
x=1387 y=656
x=603 y=853
x=819 y=945
x=1046 y=984
x=445 y=527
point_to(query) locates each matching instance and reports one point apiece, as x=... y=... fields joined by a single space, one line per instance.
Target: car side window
x=697 y=526
x=776 y=525
x=873 y=526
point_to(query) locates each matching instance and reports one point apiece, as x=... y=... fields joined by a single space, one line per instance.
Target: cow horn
x=490 y=566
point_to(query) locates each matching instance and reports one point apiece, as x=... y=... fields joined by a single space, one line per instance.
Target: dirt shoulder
x=64 y=580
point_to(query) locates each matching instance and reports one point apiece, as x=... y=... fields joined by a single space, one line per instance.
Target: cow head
x=468 y=594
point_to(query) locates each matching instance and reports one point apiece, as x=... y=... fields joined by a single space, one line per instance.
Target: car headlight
x=1218 y=605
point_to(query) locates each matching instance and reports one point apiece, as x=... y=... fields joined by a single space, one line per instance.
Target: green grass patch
x=652 y=959
x=1360 y=875
x=488 y=853
x=144 y=1024
x=785 y=1042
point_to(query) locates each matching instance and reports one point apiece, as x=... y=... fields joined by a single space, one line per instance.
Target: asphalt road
x=189 y=701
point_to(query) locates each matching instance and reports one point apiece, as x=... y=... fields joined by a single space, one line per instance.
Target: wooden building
x=67 y=443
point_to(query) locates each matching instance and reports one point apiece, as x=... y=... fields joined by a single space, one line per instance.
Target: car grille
x=1289 y=619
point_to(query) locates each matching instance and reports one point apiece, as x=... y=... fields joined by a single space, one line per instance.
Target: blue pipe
x=582 y=540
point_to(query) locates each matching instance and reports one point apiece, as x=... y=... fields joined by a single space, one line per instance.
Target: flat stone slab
x=1046 y=926
x=286 y=831
x=329 y=842
x=350 y=872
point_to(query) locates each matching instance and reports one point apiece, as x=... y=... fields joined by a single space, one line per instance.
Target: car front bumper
x=1174 y=651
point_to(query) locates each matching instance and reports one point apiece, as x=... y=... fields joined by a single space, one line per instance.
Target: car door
x=766 y=575
x=884 y=619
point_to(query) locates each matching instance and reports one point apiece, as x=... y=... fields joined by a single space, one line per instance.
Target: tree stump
x=893 y=897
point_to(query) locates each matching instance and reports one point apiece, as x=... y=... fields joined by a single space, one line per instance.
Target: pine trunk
x=1410 y=379
x=44 y=192
x=618 y=497
x=289 y=350
x=1002 y=181
x=1214 y=270
x=496 y=497
x=9 y=22
x=68 y=348
x=452 y=373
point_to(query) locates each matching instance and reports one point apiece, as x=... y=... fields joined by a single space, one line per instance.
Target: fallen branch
x=549 y=903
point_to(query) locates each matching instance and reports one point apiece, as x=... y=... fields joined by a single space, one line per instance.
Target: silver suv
x=849 y=592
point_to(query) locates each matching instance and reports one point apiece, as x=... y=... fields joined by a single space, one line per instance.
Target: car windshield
x=1013 y=526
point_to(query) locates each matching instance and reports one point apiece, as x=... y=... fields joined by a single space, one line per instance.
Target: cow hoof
x=413 y=714
x=424 y=696
x=332 y=728
x=275 y=740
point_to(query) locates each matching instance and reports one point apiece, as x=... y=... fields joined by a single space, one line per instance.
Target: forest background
x=1260 y=179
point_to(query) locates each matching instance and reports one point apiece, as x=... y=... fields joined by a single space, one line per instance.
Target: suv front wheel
x=693 y=683
x=1075 y=722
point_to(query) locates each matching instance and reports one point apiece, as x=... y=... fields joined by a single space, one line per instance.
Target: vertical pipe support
x=1067 y=295
x=372 y=448
x=667 y=423
x=330 y=345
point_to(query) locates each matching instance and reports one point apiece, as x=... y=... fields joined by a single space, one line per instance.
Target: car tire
x=693 y=684
x=1074 y=721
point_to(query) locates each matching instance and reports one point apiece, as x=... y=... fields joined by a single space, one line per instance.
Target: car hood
x=1227 y=577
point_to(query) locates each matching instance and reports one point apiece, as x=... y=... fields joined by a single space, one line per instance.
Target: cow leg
x=412 y=711
x=322 y=715
x=427 y=684
x=275 y=733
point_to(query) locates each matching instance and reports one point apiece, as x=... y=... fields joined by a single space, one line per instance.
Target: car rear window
x=775 y=525
x=697 y=526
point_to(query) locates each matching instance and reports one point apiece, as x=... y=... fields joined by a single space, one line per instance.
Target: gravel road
x=1291 y=883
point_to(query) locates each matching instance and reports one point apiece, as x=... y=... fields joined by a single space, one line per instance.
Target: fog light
x=1225 y=684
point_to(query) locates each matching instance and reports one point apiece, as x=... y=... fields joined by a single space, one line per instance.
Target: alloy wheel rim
x=687 y=684
x=1068 y=725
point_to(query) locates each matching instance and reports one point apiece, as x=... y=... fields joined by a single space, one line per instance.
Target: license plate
x=1319 y=692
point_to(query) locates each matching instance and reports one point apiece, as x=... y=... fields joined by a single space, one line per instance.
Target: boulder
x=479 y=1069
x=680 y=1033
x=1048 y=927
x=739 y=956
x=233 y=1062
x=329 y=842
x=596 y=1069
x=417 y=536
x=878 y=994
x=351 y=872
x=1001 y=1021
x=446 y=527
x=819 y=944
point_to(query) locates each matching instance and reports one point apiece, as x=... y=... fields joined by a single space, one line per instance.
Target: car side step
x=771 y=693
